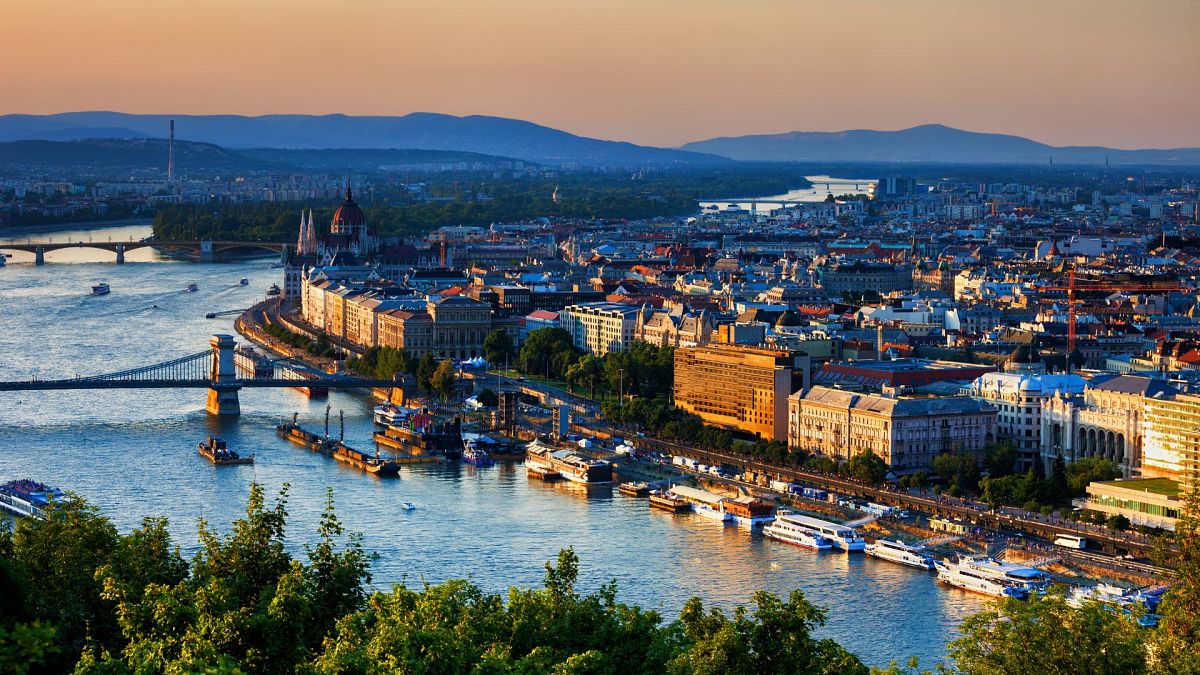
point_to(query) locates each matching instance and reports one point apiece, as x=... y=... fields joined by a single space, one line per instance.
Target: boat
x=28 y=498
x=422 y=434
x=567 y=463
x=191 y=288
x=783 y=529
x=1139 y=602
x=277 y=264
x=408 y=506
x=669 y=501
x=542 y=473
x=244 y=282
x=474 y=453
x=366 y=462
x=634 y=489
x=215 y=451
x=101 y=288
x=704 y=503
x=982 y=574
x=273 y=290
x=842 y=537
x=390 y=414
x=292 y=432
x=749 y=512
x=899 y=552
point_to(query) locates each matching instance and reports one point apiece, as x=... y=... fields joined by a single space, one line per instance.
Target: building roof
x=348 y=214
x=1132 y=384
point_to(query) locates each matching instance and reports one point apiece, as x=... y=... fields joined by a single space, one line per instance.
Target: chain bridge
x=223 y=370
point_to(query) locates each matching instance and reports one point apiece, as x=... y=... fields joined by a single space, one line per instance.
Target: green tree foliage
x=867 y=467
x=1000 y=459
x=586 y=373
x=1045 y=635
x=958 y=470
x=1178 y=644
x=667 y=421
x=488 y=398
x=497 y=347
x=774 y=637
x=1089 y=469
x=382 y=363
x=319 y=347
x=426 y=366
x=444 y=379
x=547 y=352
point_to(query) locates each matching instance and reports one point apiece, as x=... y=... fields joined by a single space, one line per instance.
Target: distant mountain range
x=417 y=131
x=929 y=143
x=341 y=141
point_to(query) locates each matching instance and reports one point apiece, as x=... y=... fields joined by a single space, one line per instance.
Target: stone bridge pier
x=39 y=256
x=120 y=254
x=223 y=394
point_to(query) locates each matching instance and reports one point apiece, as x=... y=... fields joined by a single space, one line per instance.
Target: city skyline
x=660 y=73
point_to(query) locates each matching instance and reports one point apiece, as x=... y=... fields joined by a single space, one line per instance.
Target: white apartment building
x=600 y=327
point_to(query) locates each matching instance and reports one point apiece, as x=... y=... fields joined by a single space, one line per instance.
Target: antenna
x=171 y=153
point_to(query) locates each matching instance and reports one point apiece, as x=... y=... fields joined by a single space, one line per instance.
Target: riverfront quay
x=133 y=454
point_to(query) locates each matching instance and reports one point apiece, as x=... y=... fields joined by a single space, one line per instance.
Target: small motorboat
x=101 y=289
x=276 y=265
x=408 y=506
x=273 y=290
x=192 y=288
x=244 y=282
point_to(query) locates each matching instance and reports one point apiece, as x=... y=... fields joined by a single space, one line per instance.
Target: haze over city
x=656 y=72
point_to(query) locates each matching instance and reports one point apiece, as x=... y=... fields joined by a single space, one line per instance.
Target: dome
x=788 y=318
x=1025 y=354
x=348 y=215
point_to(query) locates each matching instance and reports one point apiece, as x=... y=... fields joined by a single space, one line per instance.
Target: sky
x=1122 y=73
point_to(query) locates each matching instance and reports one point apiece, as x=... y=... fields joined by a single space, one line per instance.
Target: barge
x=570 y=465
x=215 y=451
x=669 y=501
x=28 y=498
x=635 y=489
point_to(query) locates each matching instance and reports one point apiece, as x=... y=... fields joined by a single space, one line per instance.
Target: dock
x=542 y=473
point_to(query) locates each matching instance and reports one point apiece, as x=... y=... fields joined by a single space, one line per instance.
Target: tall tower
x=171 y=153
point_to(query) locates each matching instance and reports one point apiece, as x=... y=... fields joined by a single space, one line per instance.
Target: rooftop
x=1159 y=486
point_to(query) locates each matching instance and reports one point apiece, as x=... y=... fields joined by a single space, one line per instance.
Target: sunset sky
x=659 y=72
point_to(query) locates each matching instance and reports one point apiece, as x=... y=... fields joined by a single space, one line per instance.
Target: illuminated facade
x=737 y=387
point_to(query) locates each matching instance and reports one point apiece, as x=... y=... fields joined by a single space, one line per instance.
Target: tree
x=1088 y=469
x=1178 y=636
x=1000 y=459
x=587 y=372
x=426 y=366
x=1046 y=635
x=960 y=470
x=444 y=379
x=497 y=347
x=488 y=398
x=1117 y=522
x=547 y=352
x=867 y=467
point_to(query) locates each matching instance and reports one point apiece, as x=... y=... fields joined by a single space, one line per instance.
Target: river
x=822 y=186
x=133 y=453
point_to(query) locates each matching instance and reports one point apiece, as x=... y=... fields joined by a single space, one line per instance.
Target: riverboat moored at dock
x=750 y=512
x=982 y=574
x=570 y=465
x=841 y=536
x=899 y=552
x=634 y=489
x=704 y=503
x=789 y=532
x=28 y=498
x=216 y=451
x=666 y=500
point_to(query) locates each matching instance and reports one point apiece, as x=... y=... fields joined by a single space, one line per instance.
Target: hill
x=121 y=154
x=419 y=131
x=926 y=143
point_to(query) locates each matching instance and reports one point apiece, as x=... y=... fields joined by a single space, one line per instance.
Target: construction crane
x=1101 y=286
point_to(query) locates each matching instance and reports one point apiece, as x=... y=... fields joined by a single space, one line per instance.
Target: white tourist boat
x=391 y=415
x=704 y=503
x=789 y=532
x=841 y=536
x=982 y=574
x=28 y=498
x=899 y=552
x=101 y=288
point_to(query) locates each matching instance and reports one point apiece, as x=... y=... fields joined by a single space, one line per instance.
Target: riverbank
x=19 y=231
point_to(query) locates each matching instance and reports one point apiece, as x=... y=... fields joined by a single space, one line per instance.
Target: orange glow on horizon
x=659 y=72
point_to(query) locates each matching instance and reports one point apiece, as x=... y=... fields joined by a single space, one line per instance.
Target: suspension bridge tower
x=223 y=392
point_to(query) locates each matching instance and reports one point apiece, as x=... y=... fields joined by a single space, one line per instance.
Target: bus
x=1070 y=541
